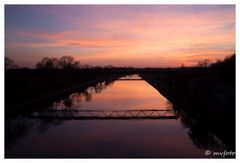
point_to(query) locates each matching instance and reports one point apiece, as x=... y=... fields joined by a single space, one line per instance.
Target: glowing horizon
x=120 y=35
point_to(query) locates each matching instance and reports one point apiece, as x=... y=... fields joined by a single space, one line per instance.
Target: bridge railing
x=105 y=114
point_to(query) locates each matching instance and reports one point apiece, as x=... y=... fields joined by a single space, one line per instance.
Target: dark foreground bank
x=207 y=95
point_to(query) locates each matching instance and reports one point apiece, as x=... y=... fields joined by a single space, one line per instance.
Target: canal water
x=105 y=138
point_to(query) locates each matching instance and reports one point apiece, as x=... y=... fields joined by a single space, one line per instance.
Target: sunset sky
x=120 y=35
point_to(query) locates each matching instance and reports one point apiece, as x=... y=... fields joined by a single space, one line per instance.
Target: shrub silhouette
x=9 y=63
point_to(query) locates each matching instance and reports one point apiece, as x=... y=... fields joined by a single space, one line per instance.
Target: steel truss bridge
x=105 y=114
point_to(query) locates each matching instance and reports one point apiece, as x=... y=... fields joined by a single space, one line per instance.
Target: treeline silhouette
x=65 y=62
x=54 y=63
x=68 y=62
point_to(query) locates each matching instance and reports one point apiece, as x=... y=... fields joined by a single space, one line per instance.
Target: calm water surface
x=107 y=138
x=122 y=94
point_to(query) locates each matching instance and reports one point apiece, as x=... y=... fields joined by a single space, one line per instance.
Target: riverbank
x=33 y=89
x=207 y=95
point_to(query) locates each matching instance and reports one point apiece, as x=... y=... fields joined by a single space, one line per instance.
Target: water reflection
x=121 y=95
x=131 y=77
x=19 y=126
x=109 y=139
x=73 y=101
x=200 y=136
x=26 y=137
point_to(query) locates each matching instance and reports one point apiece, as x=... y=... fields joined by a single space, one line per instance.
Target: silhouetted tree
x=228 y=61
x=182 y=65
x=204 y=63
x=68 y=62
x=68 y=102
x=9 y=63
x=86 y=66
x=109 y=66
x=47 y=63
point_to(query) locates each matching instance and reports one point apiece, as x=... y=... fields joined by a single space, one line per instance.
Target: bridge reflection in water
x=105 y=114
